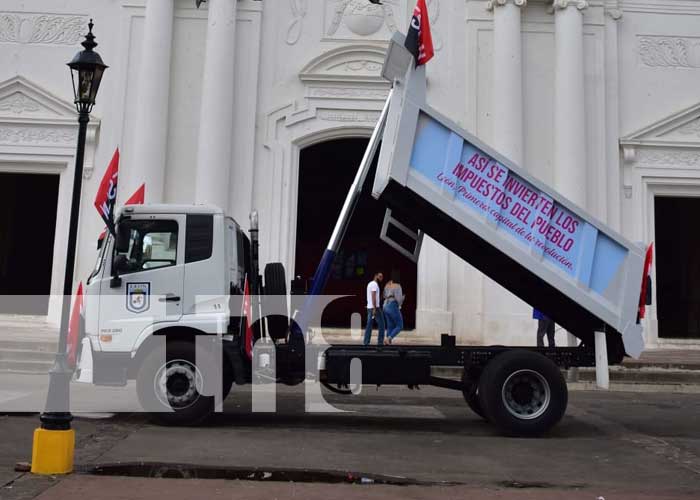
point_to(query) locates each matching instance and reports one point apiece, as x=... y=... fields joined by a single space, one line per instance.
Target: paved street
x=615 y=445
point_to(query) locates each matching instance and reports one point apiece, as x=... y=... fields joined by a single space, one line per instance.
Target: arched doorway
x=326 y=171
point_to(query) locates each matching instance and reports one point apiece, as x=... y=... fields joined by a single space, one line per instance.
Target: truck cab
x=170 y=271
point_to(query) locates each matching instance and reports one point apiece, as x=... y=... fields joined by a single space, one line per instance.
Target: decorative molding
x=296 y=26
x=614 y=14
x=19 y=96
x=347 y=116
x=357 y=66
x=673 y=158
x=55 y=29
x=563 y=4
x=348 y=93
x=665 y=7
x=492 y=4
x=361 y=17
x=19 y=103
x=37 y=135
x=668 y=51
x=353 y=63
x=690 y=128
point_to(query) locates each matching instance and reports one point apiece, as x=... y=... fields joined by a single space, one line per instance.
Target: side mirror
x=119 y=263
x=121 y=244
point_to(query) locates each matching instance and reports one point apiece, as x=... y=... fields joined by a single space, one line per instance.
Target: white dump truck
x=176 y=274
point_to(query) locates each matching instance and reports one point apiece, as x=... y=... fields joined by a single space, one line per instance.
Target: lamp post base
x=52 y=451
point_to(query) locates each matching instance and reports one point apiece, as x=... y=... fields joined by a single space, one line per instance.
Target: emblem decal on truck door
x=138 y=297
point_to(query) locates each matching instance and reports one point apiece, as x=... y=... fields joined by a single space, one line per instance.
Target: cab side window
x=152 y=245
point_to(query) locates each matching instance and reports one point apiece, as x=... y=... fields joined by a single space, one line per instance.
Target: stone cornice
x=492 y=4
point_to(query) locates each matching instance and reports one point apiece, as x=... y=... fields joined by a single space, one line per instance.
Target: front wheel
x=523 y=393
x=172 y=391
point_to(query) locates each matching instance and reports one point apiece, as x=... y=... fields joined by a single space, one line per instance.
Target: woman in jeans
x=393 y=299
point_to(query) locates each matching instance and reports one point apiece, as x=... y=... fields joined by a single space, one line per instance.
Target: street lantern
x=87 y=69
x=54 y=442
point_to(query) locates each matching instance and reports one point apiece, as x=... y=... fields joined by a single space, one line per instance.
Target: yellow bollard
x=52 y=451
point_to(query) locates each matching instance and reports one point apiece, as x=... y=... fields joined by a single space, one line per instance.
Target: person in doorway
x=374 y=312
x=545 y=326
x=393 y=300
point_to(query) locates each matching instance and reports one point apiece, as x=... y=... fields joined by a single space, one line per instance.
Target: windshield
x=152 y=244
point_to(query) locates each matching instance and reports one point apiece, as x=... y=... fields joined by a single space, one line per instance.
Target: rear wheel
x=523 y=393
x=275 y=301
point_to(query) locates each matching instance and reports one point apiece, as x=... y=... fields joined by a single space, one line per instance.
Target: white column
x=432 y=314
x=569 y=107
x=153 y=94
x=569 y=101
x=508 y=78
x=216 y=119
x=504 y=317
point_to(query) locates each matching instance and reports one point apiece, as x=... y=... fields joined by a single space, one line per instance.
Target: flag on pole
x=138 y=198
x=419 y=40
x=648 y=259
x=73 y=340
x=107 y=192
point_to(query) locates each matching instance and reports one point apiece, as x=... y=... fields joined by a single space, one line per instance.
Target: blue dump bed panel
x=508 y=224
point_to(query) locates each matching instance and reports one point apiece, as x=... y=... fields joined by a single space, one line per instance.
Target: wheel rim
x=178 y=384
x=526 y=394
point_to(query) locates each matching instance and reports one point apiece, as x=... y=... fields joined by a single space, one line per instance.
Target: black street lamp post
x=87 y=69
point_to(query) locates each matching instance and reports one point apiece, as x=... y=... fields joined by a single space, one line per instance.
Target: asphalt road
x=610 y=445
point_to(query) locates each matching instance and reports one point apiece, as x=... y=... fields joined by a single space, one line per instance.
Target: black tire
x=523 y=393
x=470 y=392
x=275 y=301
x=182 y=404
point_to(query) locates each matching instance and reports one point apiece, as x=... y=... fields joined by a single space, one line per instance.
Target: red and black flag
x=74 y=334
x=138 y=198
x=107 y=193
x=419 y=41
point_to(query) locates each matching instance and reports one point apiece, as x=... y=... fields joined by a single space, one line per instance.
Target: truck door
x=149 y=288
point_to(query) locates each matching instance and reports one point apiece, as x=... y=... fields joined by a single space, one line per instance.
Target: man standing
x=544 y=326
x=374 y=312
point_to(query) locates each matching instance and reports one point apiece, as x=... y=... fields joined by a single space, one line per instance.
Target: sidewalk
x=679 y=359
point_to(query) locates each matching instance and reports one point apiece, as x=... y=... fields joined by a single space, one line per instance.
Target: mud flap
x=84 y=367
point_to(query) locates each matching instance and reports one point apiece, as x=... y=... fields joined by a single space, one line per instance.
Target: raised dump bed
x=512 y=227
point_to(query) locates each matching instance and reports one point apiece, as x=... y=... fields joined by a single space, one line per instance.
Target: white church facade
x=267 y=105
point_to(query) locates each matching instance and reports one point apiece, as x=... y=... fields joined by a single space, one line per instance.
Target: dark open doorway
x=678 y=267
x=326 y=172
x=27 y=228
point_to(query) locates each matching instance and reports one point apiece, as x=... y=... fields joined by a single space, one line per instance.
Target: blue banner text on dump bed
x=514 y=206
